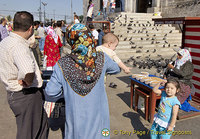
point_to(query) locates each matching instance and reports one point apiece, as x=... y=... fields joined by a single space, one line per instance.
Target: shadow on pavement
x=125 y=97
x=139 y=129
x=125 y=79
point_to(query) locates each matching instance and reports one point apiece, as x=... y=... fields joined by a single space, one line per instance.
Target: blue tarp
x=187 y=107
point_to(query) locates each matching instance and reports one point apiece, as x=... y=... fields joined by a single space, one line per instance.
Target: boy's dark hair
x=41 y=24
x=99 y=30
x=36 y=23
x=59 y=23
x=91 y=26
x=23 y=20
x=174 y=81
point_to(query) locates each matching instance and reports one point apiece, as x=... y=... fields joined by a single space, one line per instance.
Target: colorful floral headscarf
x=49 y=30
x=82 y=68
x=186 y=57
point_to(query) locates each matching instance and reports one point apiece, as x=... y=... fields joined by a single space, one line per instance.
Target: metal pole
x=40 y=15
x=44 y=14
x=71 y=12
x=44 y=4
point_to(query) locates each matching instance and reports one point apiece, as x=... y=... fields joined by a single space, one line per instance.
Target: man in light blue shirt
x=3 y=30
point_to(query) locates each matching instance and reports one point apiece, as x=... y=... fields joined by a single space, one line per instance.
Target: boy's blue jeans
x=158 y=132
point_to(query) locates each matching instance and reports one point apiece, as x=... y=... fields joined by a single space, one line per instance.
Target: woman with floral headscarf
x=81 y=76
x=51 y=48
x=182 y=69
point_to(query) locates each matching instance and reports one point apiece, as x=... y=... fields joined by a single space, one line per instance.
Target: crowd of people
x=83 y=68
x=108 y=8
x=78 y=77
x=43 y=41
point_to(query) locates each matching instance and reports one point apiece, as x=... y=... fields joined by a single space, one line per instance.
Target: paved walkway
x=124 y=121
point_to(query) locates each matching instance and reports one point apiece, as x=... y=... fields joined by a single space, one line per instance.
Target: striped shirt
x=16 y=60
x=109 y=52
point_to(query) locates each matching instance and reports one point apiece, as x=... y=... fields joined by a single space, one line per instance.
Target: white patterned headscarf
x=186 y=57
x=49 y=30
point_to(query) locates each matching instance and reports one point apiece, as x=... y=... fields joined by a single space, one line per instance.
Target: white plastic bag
x=45 y=62
x=49 y=107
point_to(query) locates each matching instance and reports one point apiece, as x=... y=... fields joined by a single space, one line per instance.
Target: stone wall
x=180 y=8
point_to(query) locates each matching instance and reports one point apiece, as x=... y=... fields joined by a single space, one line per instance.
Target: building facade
x=168 y=8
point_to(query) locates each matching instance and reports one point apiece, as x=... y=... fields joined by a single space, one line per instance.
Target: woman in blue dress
x=81 y=76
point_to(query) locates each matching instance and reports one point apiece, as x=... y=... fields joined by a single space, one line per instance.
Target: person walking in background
x=3 y=29
x=58 y=31
x=94 y=32
x=76 y=19
x=36 y=49
x=122 y=5
x=10 y=27
x=101 y=34
x=99 y=13
x=90 y=11
x=41 y=31
x=21 y=76
x=54 y=25
x=51 y=48
x=112 y=6
x=105 y=4
x=64 y=33
x=81 y=76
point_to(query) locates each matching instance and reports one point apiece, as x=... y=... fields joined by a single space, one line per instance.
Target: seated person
x=182 y=69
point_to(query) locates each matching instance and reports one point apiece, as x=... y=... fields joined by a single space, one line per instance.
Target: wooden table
x=153 y=96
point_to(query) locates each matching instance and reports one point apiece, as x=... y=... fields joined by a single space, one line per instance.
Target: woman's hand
x=170 y=66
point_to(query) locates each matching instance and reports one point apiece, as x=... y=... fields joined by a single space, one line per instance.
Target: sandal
x=113 y=85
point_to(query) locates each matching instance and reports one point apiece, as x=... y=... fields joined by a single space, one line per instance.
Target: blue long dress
x=86 y=116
